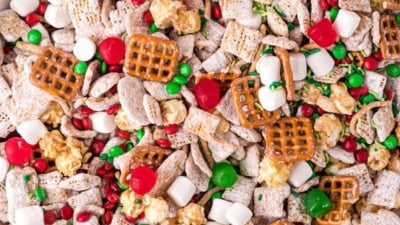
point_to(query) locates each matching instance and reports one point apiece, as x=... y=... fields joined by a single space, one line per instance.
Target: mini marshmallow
x=300 y=173
x=298 y=65
x=4 y=4
x=102 y=122
x=271 y=99
x=346 y=22
x=213 y=223
x=4 y=165
x=23 y=7
x=30 y=215
x=269 y=68
x=218 y=211
x=238 y=214
x=32 y=130
x=57 y=16
x=56 y=2
x=253 y=22
x=181 y=191
x=84 y=49
x=321 y=63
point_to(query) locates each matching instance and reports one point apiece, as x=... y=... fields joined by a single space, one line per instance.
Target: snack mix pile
x=199 y=112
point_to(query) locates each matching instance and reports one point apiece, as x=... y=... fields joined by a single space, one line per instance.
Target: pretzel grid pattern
x=290 y=139
x=390 y=37
x=391 y=4
x=343 y=191
x=38 y=154
x=245 y=97
x=53 y=72
x=225 y=79
x=151 y=58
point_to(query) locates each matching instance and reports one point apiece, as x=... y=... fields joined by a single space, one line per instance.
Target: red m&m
x=18 y=152
x=112 y=50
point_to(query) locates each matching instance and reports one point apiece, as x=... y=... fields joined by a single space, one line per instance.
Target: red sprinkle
x=97 y=146
x=171 y=129
x=147 y=17
x=123 y=134
x=114 y=89
x=113 y=197
x=361 y=156
x=112 y=49
x=389 y=93
x=115 y=68
x=49 y=217
x=333 y=2
x=32 y=19
x=42 y=8
x=320 y=110
x=130 y=219
x=378 y=55
x=40 y=165
x=113 y=109
x=86 y=111
x=216 y=12
x=346 y=60
x=108 y=166
x=77 y=123
x=163 y=143
x=108 y=216
x=109 y=205
x=66 y=212
x=107 y=189
x=83 y=216
x=109 y=175
x=101 y=172
x=114 y=186
x=86 y=123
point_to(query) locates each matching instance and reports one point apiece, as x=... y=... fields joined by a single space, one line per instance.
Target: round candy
x=368 y=99
x=172 y=88
x=18 y=152
x=179 y=79
x=80 y=68
x=66 y=212
x=153 y=28
x=34 y=36
x=83 y=216
x=339 y=51
x=307 y=110
x=40 y=194
x=207 y=93
x=361 y=156
x=112 y=50
x=49 y=217
x=40 y=165
x=115 y=151
x=223 y=175
x=333 y=13
x=147 y=17
x=355 y=80
x=393 y=70
x=349 y=144
x=137 y=2
x=391 y=142
x=370 y=63
x=84 y=49
x=216 y=12
x=142 y=180
x=185 y=69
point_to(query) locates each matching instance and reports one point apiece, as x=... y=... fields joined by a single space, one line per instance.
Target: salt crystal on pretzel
x=268 y=201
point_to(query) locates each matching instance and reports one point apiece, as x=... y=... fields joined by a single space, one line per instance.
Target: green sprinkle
x=104 y=156
x=276 y=85
x=103 y=67
x=120 y=185
x=139 y=134
x=258 y=106
x=153 y=28
x=291 y=26
x=253 y=73
x=138 y=201
x=40 y=194
x=26 y=178
x=110 y=159
x=279 y=11
x=260 y=197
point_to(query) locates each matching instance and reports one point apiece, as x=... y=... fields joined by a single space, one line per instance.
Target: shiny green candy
x=180 y=79
x=368 y=99
x=139 y=134
x=355 y=80
x=34 y=36
x=317 y=203
x=116 y=151
x=398 y=18
x=80 y=68
x=393 y=70
x=223 y=175
x=103 y=67
x=333 y=13
x=153 y=28
x=291 y=26
x=172 y=88
x=40 y=194
x=185 y=69
x=391 y=142
x=339 y=51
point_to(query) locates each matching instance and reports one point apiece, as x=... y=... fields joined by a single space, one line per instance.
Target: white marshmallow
x=57 y=2
x=4 y=4
x=346 y=22
x=271 y=99
x=298 y=65
x=23 y=7
x=218 y=211
x=30 y=215
x=253 y=22
x=300 y=173
x=102 y=122
x=4 y=165
x=238 y=214
x=321 y=63
x=32 y=130
x=57 y=16
x=84 y=49
x=269 y=68
x=213 y=223
x=181 y=191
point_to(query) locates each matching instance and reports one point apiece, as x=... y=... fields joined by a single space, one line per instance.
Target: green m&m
x=34 y=36
x=339 y=51
x=223 y=175
x=172 y=88
x=80 y=68
x=115 y=151
x=393 y=70
x=391 y=142
x=185 y=69
x=355 y=80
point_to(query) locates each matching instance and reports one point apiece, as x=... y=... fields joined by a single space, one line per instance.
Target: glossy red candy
x=361 y=156
x=42 y=8
x=324 y=5
x=18 y=152
x=171 y=129
x=66 y=212
x=83 y=216
x=49 y=217
x=32 y=19
x=349 y=144
x=370 y=63
x=108 y=216
x=147 y=17
x=163 y=143
x=112 y=50
x=143 y=179
x=333 y=2
x=207 y=93
x=388 y=93
x=115 y=68
x=216 y=12
x=137 y=2
x=323 y=33
x=97 y=146
x=40 y=165
x=307 y=110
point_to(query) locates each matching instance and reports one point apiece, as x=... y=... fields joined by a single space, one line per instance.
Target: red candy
x=361 y=156
x=86 y=123
x=42 y=8
x=86 y=111
x=32 y=19
x=333 y=2
x=216 y=12
x=388 y=93
x=307 y=110
x=143 y=179
x=123 y=134
x=324 y=5
x=323 y=33
x=370 y=63
x=147 y=17
x=83 y=216
x=18 y=152
x=115 y=68
x=40 y=165
x=163 y=143
x=113 y=197
x=66 y=212
x=108 y=216
x=97 y=146
x=77 y=123
x=112 y=50
x=171 y=129
x=137 y=2
x=349 y=144
x=49 y=217
x=113 y=109
x=207 y=93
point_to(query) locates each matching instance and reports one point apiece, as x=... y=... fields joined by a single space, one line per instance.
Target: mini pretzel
x=38 y=154
x=390 y=37
x=358 y=58
x=224 y=78
x=283 y=55
x=391 y=4
x=282 y=222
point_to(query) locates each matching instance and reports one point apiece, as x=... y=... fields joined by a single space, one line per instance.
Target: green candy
x=40 y=194
x=172 y=88
x=80 y=68
x=103 y=67
x=139 y=134
x=315 y=116
x=110 y=159
x=129 y=146
x=185 y=69
x=115 y=151
x=216 y=195
x=104 y=156
x=291 y=26
x=339 y=51
x=98 y=56
x=317 y=203
x=120 y=185
x=34 y=36
x=333 y=13
x=180 y=79
x=368 y=99
x=393 y=70
x=391 y=142
x=398 y=18
x=26 y=178
x=153 y=28
x=223 y=175
x=355 y=80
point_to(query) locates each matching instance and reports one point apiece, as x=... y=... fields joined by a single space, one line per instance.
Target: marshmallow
x=57 y=2
x=23 y=7
x=102 y=122
x=346 y=22
x=271 y=99
x=30 y=215
x=181 y=191
x=213 y=223
x=32 y=130
x=321 y=63
x=218 y=211
x=300 y=173
x=57 y=16
x=84 y=49
x=4 y=4
x=298 y=65
x=4 y=165
x=269 y=68
x=238 y=214
x=253 y=22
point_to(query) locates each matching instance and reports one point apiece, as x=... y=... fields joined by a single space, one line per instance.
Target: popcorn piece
x=30 y=215
x=132 y=203
x=238 y=214
x=218 y=211
x=157 y=210
x=102 y=122
x=346 y=22
x=274 y=174
x=57 y=16
x=31 y=130
x=181 y=190
x=192 y=214
x=387 y=185
x=241 y=191
x=378 y=158
x=173 y=112
x=344 y=102
x=329 y=129
x=268 y=201
x=52 y=115
x=300 y=173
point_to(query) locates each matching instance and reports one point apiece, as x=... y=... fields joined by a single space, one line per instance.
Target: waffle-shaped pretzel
x=151 y=58
x=287 y=74
x=282 y=222
x=391 y=4
x=290 y=139
x=343 y=191
x=358 y=58
x=245 y=98
x=151 y=156
x=224 y=78
x=38 y=154
x=53 y=72
x=390 y=37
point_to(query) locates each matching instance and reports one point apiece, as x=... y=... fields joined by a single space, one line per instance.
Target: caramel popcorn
x=52 y=115
x=157 y=210
x=192 y=214
x=378 y=157
x=188 y=22
x=273 y=173
x=67 y=163
x=52 y=144
x=132 y=204
x=342 y=99
x=173 y=111
x=329 y=129
x=123 y=122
